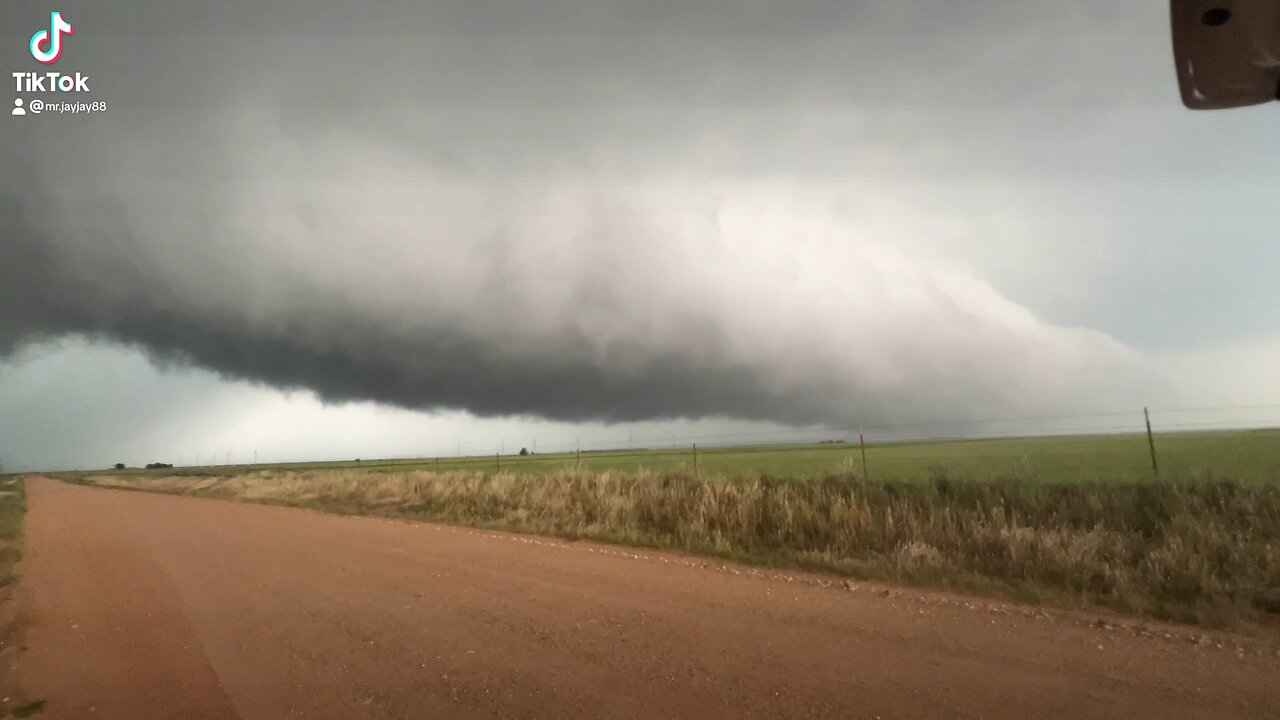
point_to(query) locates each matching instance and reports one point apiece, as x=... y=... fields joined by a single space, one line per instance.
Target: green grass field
x=1249 y=455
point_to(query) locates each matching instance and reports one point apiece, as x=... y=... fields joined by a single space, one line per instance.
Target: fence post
x=695 y=459
x=1151 y=443
x=437 y=463
x=497 y=458
x=862 y=443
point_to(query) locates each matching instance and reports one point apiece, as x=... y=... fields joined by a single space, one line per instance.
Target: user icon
x=17 y=107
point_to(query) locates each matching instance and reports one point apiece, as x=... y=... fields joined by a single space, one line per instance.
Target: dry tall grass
x=12 y=510
x=1200 y=550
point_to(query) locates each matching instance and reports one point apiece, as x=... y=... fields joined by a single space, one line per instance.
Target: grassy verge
x=1193 y=550
x=12 y=508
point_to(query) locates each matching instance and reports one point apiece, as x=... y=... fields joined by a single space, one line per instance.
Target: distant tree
x=119 y=466
x=525 y=451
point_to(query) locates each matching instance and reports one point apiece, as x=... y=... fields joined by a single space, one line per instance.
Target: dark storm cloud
x=583 y=211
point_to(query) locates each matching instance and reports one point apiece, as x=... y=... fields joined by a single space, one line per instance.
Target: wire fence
x=1240 y=441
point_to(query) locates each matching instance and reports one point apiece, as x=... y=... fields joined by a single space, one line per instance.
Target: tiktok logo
x=50 y=40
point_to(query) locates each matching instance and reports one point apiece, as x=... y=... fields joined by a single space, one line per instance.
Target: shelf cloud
x=602 y=215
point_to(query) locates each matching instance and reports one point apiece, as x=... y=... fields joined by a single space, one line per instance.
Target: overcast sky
x=322 y=229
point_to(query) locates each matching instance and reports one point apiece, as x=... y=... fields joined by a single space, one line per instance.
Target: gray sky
x=323 y=229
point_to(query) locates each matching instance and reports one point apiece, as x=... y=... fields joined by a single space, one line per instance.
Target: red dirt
x=140 y=606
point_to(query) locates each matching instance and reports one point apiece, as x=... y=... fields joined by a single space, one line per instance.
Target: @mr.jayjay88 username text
x=37 y=107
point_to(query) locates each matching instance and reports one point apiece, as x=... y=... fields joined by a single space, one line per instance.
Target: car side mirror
x=1227 y=51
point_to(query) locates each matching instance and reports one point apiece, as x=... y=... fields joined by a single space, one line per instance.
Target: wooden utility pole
x=1151 y=443
x=862 y=443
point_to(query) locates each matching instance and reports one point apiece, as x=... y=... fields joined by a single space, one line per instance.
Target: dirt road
x=141 y=606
